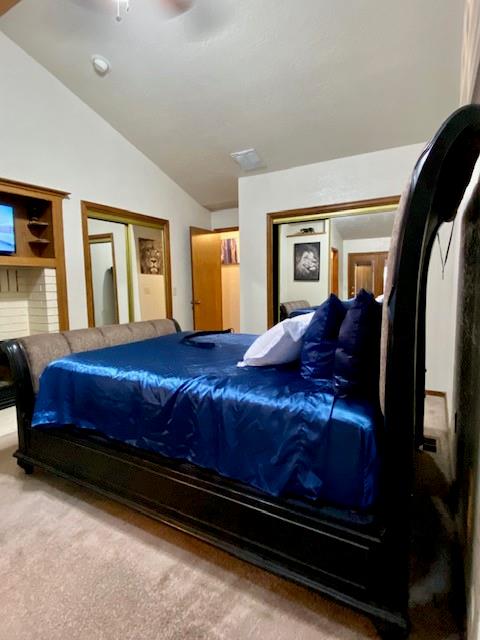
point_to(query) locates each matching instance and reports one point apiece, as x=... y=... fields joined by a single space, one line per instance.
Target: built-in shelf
x=37 y=223
x=301 y=235
x=27 y=261
x=39 y=241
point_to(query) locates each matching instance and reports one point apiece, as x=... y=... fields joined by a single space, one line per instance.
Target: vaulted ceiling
x=300 y=80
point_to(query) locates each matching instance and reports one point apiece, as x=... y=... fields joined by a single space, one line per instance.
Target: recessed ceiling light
x=248 y=159
x=101 y=65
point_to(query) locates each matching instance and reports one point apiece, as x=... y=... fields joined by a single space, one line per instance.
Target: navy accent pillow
x=356 y=362
x=320 y=339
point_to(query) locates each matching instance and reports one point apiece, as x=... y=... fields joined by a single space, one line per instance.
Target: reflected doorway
x=104 y=279
x=367 y=271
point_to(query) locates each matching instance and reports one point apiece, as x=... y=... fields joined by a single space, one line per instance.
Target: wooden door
x=366 y=271
x=206 y=279
x=334 y=271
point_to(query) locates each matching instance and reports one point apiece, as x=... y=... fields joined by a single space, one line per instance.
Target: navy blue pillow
x=320 y=339
x=356 y=361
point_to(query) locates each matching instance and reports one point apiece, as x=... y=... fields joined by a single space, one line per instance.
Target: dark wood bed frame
x=361 y=565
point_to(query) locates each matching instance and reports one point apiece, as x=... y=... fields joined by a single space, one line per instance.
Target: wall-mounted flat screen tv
x=7 y=229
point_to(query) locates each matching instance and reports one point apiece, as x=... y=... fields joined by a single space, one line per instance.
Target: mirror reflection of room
x=129 y=279
x=341 y=255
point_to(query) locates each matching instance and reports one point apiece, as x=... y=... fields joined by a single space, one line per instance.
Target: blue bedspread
x=266 y=427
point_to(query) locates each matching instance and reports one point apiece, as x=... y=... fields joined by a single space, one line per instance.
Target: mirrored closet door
x=127 y=266
x=317 y=251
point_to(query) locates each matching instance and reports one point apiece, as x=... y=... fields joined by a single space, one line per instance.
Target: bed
x=266 y=427
x=348 y=544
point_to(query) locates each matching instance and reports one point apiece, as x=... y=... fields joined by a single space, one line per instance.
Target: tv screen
x=7 y=229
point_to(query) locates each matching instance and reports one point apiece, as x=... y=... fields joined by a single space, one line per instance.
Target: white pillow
x=279 y=345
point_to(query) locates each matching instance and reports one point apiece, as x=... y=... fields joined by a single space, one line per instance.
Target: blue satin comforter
x=266 y=427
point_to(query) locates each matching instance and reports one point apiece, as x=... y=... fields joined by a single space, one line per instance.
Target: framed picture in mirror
x=306 y=261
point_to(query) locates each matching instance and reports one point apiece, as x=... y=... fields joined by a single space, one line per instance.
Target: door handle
x=193 y=302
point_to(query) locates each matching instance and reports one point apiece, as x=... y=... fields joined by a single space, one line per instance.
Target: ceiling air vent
x=248 y=159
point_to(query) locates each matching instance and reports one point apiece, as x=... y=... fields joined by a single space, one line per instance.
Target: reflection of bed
x=358 y=557
x=286 y=308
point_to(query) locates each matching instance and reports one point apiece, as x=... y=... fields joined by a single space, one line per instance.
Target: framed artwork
x=230 y=251
x=151 y=256
x=306 y=261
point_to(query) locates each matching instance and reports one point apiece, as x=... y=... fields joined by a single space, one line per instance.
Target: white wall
x=371 y=175
x=53 y=139
x=224 y=218
x=441 y=317
x=362 y=245
x=314 y=292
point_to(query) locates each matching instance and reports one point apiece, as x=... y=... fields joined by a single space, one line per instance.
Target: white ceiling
x=368 y=225
x=300 y=80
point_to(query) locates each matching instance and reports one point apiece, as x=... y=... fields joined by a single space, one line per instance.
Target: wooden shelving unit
x=304 y=235
x=38 y=234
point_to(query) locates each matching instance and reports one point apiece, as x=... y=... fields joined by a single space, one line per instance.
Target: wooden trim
x=24 y=189
x=123 y=216
x=305 y=235
x=338 y=207
x=100 y=238
x=87 y=261
x=226 y=229
x=334 y=280
x=15 y=261
x=61 y=274
x=329 y=210
x=167 y=263
x=437 y=394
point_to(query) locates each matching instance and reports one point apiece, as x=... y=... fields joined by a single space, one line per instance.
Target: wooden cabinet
x=38 y=233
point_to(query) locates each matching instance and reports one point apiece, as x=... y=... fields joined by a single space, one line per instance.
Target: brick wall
x=28 y=302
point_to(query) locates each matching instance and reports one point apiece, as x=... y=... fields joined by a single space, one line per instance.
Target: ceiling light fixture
x=248 y=159
x=101 y=65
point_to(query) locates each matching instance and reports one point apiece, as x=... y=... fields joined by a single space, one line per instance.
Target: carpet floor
x=77 y=566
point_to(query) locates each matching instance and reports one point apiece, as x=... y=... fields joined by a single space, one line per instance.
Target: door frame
x=123 y=216
x=334 y=259
x=355 y=207
x=350 y=267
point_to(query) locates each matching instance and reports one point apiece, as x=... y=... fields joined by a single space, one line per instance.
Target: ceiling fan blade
x=5 y=5
x=207 y=18
x=176 y=7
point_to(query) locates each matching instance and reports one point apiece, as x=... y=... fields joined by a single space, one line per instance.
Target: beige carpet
x=75 y=566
